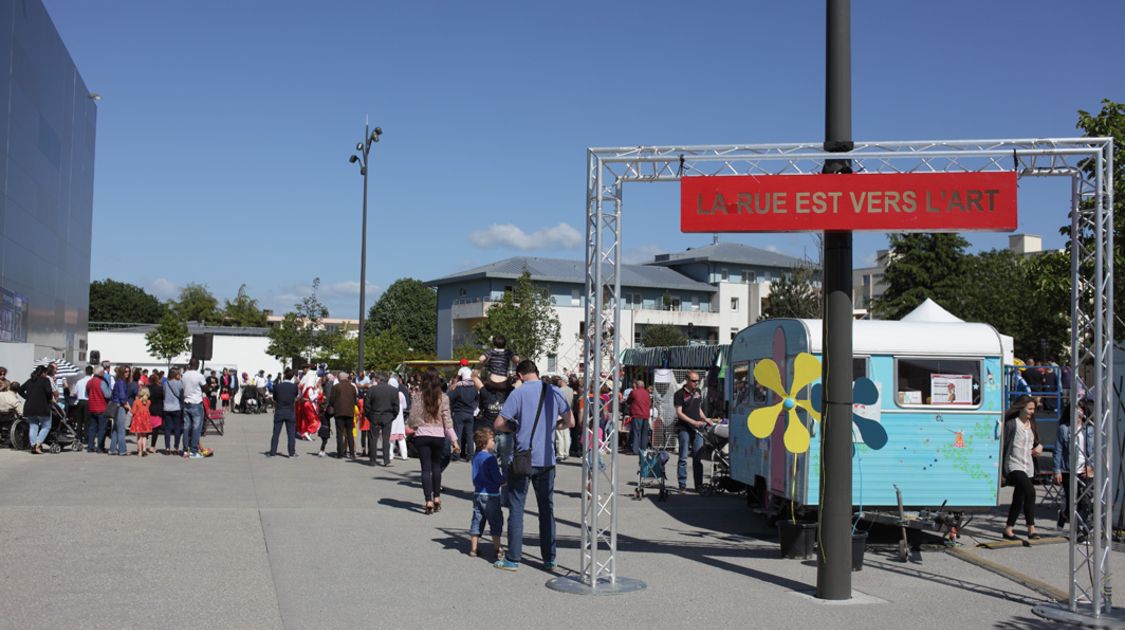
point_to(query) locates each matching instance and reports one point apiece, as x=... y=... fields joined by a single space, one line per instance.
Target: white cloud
x=507 y=235
x=641 y=254
x=340 y=297
x=164 y=289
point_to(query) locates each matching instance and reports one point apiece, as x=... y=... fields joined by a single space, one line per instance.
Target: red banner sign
x=887 y=202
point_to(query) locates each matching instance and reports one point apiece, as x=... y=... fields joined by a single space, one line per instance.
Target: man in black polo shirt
x=689 y=422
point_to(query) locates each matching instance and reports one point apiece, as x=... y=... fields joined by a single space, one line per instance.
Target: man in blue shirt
x=518 y=417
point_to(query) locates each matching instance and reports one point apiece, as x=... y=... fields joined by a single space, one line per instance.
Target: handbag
x=521 y=460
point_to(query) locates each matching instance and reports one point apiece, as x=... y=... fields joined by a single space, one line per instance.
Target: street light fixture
x=363 y=150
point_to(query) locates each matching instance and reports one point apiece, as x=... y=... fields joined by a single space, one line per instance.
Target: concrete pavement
x=243 y=541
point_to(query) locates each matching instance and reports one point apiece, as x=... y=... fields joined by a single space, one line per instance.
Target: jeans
x=120 y=426
x=640 y=434
x=486 y=509
x=463 y=428
x=429 y=451
x=693 y=440
x=290 y=424
x=37 y=429
x=173 y=426
x=542 y=480
x=193 y=425
x=505 y=445
x=95 y=431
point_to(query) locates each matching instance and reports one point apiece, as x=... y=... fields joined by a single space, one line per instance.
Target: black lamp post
x=363 y=150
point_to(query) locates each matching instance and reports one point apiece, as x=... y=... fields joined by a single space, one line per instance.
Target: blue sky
x=225 y=127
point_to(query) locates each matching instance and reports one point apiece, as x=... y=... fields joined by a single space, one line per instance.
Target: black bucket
x=859 y=545
x=797 y=540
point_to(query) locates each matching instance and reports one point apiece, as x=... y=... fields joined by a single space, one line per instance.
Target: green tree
x=287 y=339
x=1048 y=319
x=921 y=266
x=121 y=302
x=196 y=304
x=468 y=350
x=526 y=317
x=169 y=339
x=1019 y=296
x=301 y=332
x=662 y=335
x=1109 y=122
x=795 y=294
x=243 y=311
x=410 y=307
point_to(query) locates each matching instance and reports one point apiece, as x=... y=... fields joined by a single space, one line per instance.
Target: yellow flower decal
x=806 y=369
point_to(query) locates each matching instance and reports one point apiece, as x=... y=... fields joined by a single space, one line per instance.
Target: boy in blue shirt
x=487 y=480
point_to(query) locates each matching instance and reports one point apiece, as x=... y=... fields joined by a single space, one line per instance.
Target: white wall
x=245 y=354
x=19 y=358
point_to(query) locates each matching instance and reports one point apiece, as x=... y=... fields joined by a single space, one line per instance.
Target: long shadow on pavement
x=945 y=580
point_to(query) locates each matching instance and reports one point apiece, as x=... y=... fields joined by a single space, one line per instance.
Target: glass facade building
x=46 y=188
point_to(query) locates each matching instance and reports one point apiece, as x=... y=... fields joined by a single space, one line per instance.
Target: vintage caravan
x=937 y=398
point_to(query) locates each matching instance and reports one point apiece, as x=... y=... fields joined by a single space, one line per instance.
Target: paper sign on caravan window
x=951 y=389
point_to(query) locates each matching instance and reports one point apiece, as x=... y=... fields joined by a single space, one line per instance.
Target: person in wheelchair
x=250 y=401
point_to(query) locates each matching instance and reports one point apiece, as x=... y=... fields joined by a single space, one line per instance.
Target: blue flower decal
x=864 y=392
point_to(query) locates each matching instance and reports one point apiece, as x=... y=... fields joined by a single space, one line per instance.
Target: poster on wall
x=13 y=316
x=951 y=389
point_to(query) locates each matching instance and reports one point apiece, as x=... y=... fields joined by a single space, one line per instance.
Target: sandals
x=437 y=505
x=429 y=508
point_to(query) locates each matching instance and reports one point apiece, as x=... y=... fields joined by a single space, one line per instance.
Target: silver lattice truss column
x=1087 y=161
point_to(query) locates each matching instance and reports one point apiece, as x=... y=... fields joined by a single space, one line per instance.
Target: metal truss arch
x=1087 y=161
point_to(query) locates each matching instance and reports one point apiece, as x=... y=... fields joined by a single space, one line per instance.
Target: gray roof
x=574 y=272
x=732 y=253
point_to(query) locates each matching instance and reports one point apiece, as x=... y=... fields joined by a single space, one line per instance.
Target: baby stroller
x=62 y=433
x=650 y=468
x=715 y=440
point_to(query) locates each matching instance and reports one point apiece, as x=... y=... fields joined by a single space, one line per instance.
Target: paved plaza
x=243 y=541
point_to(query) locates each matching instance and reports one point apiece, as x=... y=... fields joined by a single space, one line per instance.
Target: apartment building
x=709 y=293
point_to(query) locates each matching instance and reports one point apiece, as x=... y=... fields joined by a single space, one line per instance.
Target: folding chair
x=215 y=417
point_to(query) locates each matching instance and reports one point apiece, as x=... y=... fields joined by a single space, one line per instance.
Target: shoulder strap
x=538 y=412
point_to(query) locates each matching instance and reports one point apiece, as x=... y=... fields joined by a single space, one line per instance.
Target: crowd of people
x=108 y=402
x=490 y=415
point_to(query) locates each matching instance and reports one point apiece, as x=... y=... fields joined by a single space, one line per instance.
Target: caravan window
x=745 y=392
x=937 y=382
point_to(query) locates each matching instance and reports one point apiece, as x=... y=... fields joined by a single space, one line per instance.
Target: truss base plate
x=1083 y=618
x=575 y=585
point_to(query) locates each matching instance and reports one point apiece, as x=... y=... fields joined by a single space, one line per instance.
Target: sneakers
x=506 y=565
x=322 y=454
x=551 y=565
x=196 y=456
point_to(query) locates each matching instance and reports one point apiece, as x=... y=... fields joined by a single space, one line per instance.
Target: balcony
x=677 y=316
x=471 y=308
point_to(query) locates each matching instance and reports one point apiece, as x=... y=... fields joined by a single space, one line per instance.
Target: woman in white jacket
x=398 y=427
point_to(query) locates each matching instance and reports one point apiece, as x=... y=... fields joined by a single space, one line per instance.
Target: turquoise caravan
x=928 y=420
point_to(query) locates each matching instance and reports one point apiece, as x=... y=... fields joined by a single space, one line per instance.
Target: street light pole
x=363 y=152
x=833 y=567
